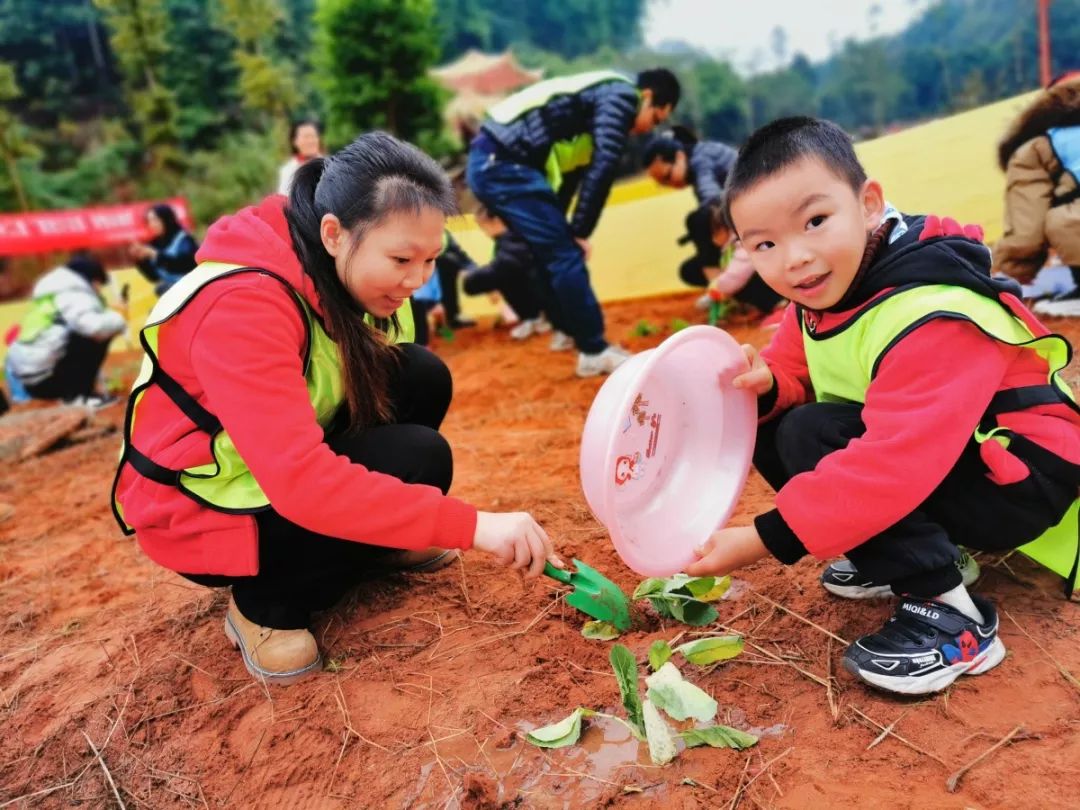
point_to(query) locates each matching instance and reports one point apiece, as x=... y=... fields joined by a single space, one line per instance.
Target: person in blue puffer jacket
x=584 y=121
x=170 y=255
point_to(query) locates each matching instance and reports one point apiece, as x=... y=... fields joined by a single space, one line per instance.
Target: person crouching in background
x=63 y=338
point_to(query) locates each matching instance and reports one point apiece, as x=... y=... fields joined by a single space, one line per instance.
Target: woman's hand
x=515 y=540
x=759 y=378
x=726 y=551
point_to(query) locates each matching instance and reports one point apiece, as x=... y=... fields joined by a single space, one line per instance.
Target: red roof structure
x=485 y=74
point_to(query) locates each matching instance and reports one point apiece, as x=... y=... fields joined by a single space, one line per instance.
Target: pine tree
x=267 y=81
x=139 y=39
x=372 y=64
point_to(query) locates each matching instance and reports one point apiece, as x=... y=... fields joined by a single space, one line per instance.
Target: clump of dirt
x=432 y=681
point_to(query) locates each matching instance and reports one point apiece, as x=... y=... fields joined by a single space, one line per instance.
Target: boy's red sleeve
x=786 y=360
x=921 y=410
x=244 y=355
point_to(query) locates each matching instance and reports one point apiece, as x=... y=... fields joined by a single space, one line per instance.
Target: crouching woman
x=282 y=439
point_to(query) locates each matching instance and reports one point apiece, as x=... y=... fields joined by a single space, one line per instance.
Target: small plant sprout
x=668 y=691
x=705 y=651
x=684 y=598
x=659 y=653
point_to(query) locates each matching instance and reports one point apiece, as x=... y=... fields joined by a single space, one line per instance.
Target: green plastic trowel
x=593 y=594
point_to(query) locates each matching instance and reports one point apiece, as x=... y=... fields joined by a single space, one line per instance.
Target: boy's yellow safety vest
x=226 y=484
x=843 y=361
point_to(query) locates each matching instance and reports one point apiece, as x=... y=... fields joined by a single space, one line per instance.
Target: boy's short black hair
x=785 y=141
x=665 y=87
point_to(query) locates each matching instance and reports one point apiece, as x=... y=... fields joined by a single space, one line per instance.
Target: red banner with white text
x=81 y=228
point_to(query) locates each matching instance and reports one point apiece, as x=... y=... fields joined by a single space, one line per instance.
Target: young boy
x=511 y=273
x=910 y=404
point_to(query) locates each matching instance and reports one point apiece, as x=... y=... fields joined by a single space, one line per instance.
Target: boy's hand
x=726 y=551
x=586 y=248
x=759 y=378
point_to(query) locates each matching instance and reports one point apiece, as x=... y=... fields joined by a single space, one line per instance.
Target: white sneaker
x=541 y=325
x=1063 y=306
x=525 y=329
x=605 y=362
x=561 y=342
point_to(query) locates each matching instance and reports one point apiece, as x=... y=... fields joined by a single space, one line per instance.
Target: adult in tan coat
x=1040 y=155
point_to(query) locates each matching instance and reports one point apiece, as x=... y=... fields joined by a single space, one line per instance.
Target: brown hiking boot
x=276 y=656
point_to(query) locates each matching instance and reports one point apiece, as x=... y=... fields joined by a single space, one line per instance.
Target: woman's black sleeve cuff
x=778 y=537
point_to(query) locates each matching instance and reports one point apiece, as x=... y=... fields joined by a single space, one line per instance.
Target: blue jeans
x=522 y=198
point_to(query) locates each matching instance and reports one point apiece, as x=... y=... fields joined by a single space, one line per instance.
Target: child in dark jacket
x=511 y=273
x=910 y=405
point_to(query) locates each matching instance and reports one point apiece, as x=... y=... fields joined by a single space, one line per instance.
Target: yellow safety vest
x=226 y=484
x=844 y=360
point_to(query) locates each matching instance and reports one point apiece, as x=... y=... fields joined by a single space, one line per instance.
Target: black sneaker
x=841 y=578
x=926 y=646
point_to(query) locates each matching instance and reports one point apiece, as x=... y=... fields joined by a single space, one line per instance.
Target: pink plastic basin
x=667 y=446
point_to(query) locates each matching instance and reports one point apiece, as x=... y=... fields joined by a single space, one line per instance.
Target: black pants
x=918 y=554
x=301 y=571
x=76 y=373
x=513 y=275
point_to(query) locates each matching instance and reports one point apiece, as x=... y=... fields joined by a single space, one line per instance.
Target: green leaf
x=622 y=661
x=679 y=698
x=720 y=586
x=718 y=737
x=659 y=653
x=644 y=328
x=558 y=735
x=706 y=651
x=662 y=606
x=695 y=614
x=604 y=631
x=661 y=744
x=648 y=587
x=678 y=324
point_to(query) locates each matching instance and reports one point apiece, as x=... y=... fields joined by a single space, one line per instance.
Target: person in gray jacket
x=64 y=336
x=677 y=159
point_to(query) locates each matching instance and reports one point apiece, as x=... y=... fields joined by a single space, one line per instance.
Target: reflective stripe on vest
x=537 y=95
x=844 y=361
x=567 y=156
x=226 y=484
x=1065 y=142
x=42 y=314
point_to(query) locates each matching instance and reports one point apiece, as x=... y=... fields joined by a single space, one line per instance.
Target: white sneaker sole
x=858 y=591
x=277 y=678
x=927 y=684
x=969 y=574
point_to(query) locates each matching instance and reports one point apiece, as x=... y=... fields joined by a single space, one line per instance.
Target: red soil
x=434 y=679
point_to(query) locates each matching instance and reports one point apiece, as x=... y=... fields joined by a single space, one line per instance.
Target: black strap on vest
x=202 y=418
x=1019 y=399
x=151 y=469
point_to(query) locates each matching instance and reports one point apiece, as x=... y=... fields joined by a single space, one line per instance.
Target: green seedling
x=644 y=328
x=659 y=653
x=679 y=698
x=667 y=691
x=678 y=324
x=684 y=598
x=705 y=651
